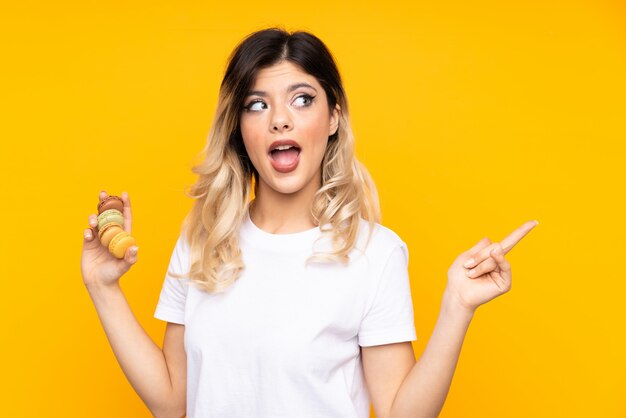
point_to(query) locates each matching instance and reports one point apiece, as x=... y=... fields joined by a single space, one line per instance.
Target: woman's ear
x=334 y=120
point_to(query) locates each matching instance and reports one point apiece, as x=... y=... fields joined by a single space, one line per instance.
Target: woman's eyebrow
x=298 y=85
x=289 y=89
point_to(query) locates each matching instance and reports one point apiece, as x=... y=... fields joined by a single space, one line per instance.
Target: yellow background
x=473 y=117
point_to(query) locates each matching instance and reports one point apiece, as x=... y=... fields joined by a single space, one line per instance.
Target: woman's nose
x=280 y=121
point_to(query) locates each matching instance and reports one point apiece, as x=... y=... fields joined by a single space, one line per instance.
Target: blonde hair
x=224 y=187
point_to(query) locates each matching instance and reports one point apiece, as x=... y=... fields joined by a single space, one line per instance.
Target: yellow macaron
x=108 y=231
x=120 y=243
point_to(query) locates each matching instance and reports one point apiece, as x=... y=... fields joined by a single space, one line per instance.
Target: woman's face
x=285 y=127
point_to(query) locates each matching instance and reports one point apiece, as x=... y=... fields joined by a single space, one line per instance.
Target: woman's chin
x=295 y=182
x=286 y=186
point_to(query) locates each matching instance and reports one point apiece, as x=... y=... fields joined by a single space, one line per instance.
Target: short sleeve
x=171 y=305
x=390 y=317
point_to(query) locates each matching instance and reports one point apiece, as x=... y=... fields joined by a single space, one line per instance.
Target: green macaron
x=111 y=215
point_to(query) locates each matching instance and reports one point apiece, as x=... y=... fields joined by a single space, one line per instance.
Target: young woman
x=294 y=302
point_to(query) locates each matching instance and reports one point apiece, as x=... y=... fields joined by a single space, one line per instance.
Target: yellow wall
x=473 y=117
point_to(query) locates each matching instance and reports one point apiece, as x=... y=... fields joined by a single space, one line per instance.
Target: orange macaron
x=120 y=243
x=108 y=231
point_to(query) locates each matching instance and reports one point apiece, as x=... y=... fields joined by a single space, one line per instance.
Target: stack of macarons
x=111 y=226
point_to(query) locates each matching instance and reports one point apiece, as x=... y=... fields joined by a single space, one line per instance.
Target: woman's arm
x=424 y=390
x=158 y=376
x=400 y=387
x=476 y=276
x=142 y=361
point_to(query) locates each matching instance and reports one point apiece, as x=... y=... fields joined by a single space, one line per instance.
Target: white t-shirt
x=284 y=340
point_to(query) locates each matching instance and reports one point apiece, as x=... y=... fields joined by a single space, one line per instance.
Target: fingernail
x=133 y=250
x=87 y=235
x=468 y=263
x=471 y=272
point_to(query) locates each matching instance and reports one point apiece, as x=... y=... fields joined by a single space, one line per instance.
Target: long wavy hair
x=224 y=188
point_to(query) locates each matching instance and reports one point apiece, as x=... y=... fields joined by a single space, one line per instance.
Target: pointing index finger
x=514 y=237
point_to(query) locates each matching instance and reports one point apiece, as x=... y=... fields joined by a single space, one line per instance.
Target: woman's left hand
x=482 y=273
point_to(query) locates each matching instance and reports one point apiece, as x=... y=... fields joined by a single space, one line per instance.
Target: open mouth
x=285 y=157
x=285 y=154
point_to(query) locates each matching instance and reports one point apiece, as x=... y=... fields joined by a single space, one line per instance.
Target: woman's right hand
x=98 y=266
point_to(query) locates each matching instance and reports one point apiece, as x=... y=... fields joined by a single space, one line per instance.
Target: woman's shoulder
x=381 y=237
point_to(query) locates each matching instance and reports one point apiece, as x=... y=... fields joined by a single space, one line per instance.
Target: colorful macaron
x=120 y=243
x=110 y=202
x=108 y=216
x=108 y=231
x=111 y=226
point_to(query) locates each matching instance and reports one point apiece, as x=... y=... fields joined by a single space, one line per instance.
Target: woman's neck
x=279 y=213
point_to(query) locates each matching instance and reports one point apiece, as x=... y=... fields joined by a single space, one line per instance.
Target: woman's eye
x=254 y=106
x=304 y=100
